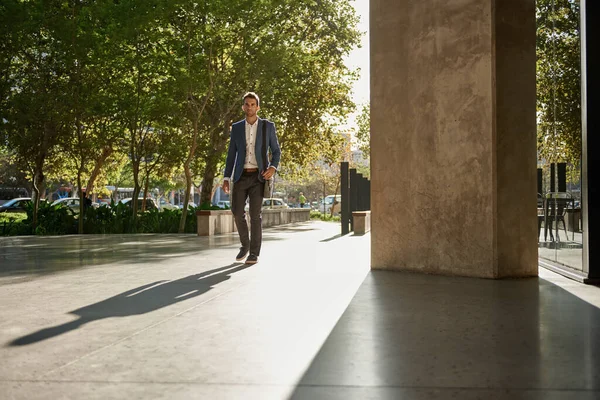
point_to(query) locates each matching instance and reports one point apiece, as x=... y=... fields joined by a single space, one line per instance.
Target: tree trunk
x=81 y=203
x=136 y=187
x=42 y=190
x=106 y=152
x=188 y=175
x=186 y=201
x=38 y=181
x=208 y=183
x=219 y=146
x=212 y=193
x=135 y=195
x=146 y=184
x=38 y=186
x=337 y=186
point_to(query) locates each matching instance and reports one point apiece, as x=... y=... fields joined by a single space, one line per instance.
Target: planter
x=215 y=222
x=361 y=222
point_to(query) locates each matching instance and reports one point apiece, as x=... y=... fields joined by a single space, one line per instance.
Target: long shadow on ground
x=141 y=300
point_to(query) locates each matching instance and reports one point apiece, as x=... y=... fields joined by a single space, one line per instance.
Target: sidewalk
x=172 y=317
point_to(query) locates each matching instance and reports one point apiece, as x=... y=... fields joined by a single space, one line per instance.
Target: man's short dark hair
x=252 y=95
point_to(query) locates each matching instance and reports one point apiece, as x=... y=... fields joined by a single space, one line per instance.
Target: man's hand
x=226 y=187
x=268 y=174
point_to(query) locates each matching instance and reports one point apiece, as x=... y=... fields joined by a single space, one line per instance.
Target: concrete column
x=453 y=137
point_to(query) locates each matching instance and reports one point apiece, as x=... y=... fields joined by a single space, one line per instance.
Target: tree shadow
x=40 y=255
x=141 y=300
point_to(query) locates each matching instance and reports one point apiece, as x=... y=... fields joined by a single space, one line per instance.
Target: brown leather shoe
x=242 y=254
x=252 y=259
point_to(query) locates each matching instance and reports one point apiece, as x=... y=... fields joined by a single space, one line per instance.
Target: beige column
x=453 y=137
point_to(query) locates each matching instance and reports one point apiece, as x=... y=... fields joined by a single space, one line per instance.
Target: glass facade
x=560 y=211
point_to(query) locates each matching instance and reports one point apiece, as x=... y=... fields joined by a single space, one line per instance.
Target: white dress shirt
x=251 y=129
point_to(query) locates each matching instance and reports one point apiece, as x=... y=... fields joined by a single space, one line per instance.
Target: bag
x=269 y=183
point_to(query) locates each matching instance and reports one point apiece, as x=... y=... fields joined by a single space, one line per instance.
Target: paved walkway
x=172 y=317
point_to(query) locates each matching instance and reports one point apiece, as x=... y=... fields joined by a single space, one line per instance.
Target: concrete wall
x=214 y=222
x=284 y=216
x=453 y=137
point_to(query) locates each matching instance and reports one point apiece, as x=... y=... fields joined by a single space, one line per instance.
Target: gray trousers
x=248 y=187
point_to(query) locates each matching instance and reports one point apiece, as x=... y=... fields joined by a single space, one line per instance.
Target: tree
x=192 y=46
x=93 y=130
x=363 y=134
x=35 y=104
x=327 y=171
x=10 y=175
x=296 y=50
x=142 y=62
x=159 y=82
x=558 y=80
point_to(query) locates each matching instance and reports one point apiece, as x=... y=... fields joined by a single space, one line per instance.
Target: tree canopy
x=159 y=82
x=558 y=80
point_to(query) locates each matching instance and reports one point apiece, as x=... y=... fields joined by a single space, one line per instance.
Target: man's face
x=250 y=107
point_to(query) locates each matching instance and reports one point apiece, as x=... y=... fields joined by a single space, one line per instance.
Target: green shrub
x=210 y=206
x=13 y=224
x=191 y=222
x=324 y=217
x=114 y=218
x=13 y=217
x=52 y=219
x=168 y=221
x=102 y=220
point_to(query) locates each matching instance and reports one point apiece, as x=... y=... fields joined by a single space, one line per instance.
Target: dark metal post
x=561 y=173
x=363 y=194
x=353 y=195
x=345 y=192
x=359 y=192
x=553 y=177
x=368 y=195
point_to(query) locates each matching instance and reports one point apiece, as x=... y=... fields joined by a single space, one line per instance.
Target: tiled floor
x=171 y=316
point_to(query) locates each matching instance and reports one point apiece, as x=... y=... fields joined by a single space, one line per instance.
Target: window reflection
x=559 y=132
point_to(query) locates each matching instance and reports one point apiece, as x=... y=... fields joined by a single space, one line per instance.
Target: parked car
x=150 y=203
x=72 y=203
x=334 y=201
x=165 y=205
x=104 y=202
x=11 y=193
x=191 y=204
x=15 y=205
x=224 y=204
x=271 y=204
x=274 y=203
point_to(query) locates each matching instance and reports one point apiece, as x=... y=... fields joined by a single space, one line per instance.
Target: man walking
x=247 y=167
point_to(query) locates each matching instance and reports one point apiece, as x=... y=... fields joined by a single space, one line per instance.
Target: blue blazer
x=236 y=154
